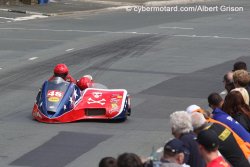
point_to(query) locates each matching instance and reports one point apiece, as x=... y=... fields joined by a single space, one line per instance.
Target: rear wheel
x=128 y=112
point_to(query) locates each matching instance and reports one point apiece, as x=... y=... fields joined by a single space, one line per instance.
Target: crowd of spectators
x=202 y=138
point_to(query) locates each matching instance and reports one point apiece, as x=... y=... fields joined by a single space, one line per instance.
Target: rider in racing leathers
x=85 y=82
x=61 y=70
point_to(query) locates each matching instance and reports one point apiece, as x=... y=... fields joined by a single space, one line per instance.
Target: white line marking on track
x=69 y=49
x=27 y=39
x=215 y=37
x=5 y=10
x=29 y=17
x=6 y=18
x=120 y=32
x=33 y=58
x=53 y=30
x=1 y=68
x=24 y=18
x=79 y=18
x=181 y=28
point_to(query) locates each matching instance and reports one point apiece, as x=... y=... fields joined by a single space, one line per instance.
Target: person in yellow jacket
x=228 y=146
x=244 y=146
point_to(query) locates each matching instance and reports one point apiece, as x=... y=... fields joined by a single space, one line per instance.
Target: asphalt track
x=165 y=61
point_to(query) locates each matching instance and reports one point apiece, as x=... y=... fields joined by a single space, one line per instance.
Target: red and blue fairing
x=60 y=101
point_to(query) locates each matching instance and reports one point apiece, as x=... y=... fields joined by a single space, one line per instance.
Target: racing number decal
x=54 y=95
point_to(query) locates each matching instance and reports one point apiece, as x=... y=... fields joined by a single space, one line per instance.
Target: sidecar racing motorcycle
x=59 y=101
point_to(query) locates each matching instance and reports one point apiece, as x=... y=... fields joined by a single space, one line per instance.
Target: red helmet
x=61 y=69
x=84 y=82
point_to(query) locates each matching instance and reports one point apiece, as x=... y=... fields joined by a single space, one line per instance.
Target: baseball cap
x=192 y=108
x=209 y=139
x=175 y=146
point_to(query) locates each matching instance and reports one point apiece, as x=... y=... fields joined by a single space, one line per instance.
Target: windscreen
x=55 y=92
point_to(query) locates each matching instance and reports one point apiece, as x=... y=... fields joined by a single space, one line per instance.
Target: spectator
x=228 y=81
x=108 y=162
x=129 y=160
x=228 y=145
x=175 y=152
x=215 y=102
x=182 y=129
x=244 y=146
x=243 y=93
x=241 y=80
x=208 y=146
x=240 y=65
x=195 y=108
x=236 y=107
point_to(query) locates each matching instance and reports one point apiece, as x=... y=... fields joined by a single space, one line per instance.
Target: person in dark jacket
x=216 y=102
x=182 y=129
x=208 y=145
x=175 y=151
x=228 y=146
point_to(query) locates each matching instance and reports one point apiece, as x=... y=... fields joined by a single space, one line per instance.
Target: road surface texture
x=166 y=61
